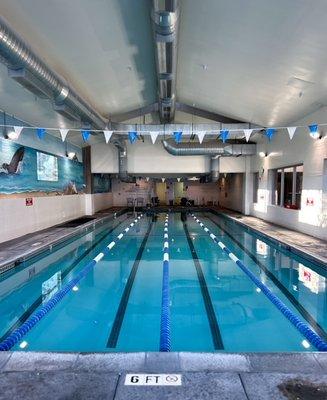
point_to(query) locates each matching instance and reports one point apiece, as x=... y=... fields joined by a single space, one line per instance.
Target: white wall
x=148 y=158
x=283 y=152
x=16 y=219
x=231 y=191
x=201 y=193
x=97 y=202
x=104 y=158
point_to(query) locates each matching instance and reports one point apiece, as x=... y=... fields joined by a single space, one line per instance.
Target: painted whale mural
x=18 y=172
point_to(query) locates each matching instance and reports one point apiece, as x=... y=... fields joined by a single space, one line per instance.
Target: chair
x=139 y=201
x=130 y=202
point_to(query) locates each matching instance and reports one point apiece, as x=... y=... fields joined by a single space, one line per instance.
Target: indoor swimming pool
x=114 y=304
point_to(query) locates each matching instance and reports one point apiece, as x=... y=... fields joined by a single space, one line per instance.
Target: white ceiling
x=265 y=60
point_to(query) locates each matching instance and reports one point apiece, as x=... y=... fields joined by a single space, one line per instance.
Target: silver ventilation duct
x=122 y=162
x=165 y=20
x=30 y=71
x=214 y=169
x=210 y=148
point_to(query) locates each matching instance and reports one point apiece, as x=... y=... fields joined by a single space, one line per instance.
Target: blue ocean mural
x=19 y=171
x=101 y=183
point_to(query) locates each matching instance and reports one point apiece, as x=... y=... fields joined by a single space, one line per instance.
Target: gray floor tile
x=33 y=361
x=162 y=362
x=322 y=360
x=195 y=386
x=4 y=357
x=110 y=362
x=214 y=362
x=285 y=362
x=57 y=385
x=268 y=386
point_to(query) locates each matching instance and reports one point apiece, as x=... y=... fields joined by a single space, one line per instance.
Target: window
x=287 y=186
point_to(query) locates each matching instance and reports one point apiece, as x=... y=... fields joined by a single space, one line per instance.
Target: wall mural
x=101 y=183
x=24 y=169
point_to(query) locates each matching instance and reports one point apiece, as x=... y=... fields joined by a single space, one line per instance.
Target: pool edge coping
x=156 y=362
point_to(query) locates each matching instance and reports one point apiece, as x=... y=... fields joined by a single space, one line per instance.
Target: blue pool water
x=214 y=306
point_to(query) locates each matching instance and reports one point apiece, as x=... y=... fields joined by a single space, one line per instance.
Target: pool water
x=214 y=306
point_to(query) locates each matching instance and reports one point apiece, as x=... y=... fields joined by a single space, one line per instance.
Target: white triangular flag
x=201 y=135
x=63 y=134
x=291 y=130
x=247 y=133
x=154 y=136
x=18 y=130
x=107 y=135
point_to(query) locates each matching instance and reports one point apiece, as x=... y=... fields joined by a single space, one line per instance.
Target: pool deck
x=205 y=376
x=22 y=248
x=301 y=243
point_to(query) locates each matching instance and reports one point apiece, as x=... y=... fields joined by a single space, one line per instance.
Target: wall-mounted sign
x=29 y=201
x=309 y=201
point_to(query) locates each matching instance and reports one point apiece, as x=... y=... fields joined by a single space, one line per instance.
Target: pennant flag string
x=40 y=133
x=270 y=132
x=224 y=135
x=291 y=131
x=132 y=136
x=18 y=130
x=201 y=135
x=178 y=136
x=107 y=135
x=63 y=133
x=154 y=136
x=247 y=133
x=85 y=135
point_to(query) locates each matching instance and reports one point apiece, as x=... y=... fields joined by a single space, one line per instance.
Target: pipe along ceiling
x=30 y=71
x=165 y=21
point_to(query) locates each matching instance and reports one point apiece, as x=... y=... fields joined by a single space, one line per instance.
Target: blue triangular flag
x=40 y=133
x=178 y=136
x=314 y=131
x=270 y=132
x=85 y=135
x=132 y=136
x=224 y=135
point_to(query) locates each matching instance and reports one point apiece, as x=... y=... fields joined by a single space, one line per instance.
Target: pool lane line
x=20 y=332
x=302 y=327
x=38 y=301
x=120 y=314
x=305 y=314
x=165 y=340
x=213 y=323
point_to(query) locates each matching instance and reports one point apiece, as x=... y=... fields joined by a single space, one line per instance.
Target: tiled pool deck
x=275 y=376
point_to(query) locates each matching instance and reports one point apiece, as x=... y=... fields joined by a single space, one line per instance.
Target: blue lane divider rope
x=165 y=343
x=302 y=327
x=20 y=332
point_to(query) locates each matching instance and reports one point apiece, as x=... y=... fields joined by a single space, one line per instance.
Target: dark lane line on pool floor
x=213 y=323
x=305 y=314
x=24 y=317
x=119 y=318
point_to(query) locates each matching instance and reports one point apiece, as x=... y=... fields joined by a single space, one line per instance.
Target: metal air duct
x=165 y=21
x=210 y=148
x=122 y=162
x=35 y=75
